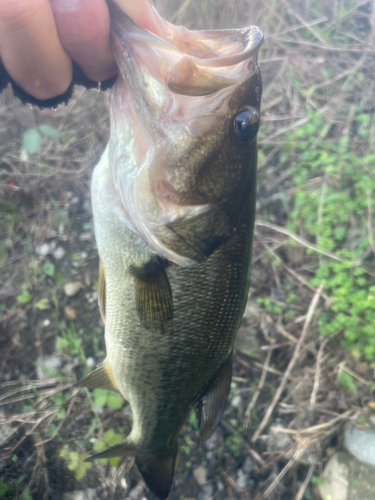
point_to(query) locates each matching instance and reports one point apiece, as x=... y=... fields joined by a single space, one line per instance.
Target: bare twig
x=258 y=390
x=292 y=363
x=305 y=483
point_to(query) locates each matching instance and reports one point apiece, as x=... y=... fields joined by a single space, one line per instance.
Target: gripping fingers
x=30 y=48
x=83 y=28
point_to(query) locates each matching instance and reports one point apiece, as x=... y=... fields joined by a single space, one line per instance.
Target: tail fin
x=158 y=472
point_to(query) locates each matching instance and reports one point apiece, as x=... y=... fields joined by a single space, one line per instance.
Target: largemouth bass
x=174 y=204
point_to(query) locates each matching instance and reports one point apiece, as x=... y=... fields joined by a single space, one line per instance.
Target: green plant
x=110 y=438
x=76 y=462
x=32 y=137
x=70 y=343
x=335 y=217
x=103 y=397
x=25 y=296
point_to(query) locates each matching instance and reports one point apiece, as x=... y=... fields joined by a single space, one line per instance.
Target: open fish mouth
x=195 y=63
x=173 y=95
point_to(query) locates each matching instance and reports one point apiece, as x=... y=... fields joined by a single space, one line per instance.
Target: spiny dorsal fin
x=101 y=291
x=153 y=293
x=158 y=472
x=211 y=406
x=101 y=378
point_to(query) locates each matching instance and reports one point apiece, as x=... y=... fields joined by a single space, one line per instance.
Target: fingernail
x=66 y=5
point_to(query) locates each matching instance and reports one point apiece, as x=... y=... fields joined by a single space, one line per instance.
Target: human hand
x=39 y=39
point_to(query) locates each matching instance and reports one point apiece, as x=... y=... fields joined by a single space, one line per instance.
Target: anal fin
x=124 y=449
x=158 y=472
x=153 y=293
x=211 y=405
x=101 y=378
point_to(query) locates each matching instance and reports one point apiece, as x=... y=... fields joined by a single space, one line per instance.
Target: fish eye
x=246 y=125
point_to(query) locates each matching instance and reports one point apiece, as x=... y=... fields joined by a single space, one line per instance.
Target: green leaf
x=24 y=297
x=108 y=436
x=80 y=471
x=100 y=397
x=193 y=420
x=48 y=269
x=61 y=413
x=26 y=495
x=317 y=480
x=31 y=141
x=49 y=131
x=346 y=383
x=42 y=304
x=114 y=401
x=99 y=446
x=74 y=460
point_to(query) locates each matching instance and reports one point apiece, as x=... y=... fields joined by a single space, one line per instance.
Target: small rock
x=46 y=322
x=200 y=475
x=83 y=255
x=206 y=492
x=85 y=236
x=242 y=479
x=48 y=364
x=91 y=297
x=362 y=368
x=136 y=491
x=346 y=479
x=236 y=401
x=70 y=313
x=278 y=440
x=74 y=200
x=247 y=342
x=360 y=442
x=51 y=234
x=59 y=253
x=220 y=485
x=43 y=250
x=215 y=440
x=248 y=465
x=90 y=362
x=335 y=475
x=72 y=289
x=88 y=494
x=5 y=432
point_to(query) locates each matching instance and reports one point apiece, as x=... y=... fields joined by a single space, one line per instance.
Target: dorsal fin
x=153 y=293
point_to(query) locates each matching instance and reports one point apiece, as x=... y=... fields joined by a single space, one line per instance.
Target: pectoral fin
x=101 y=291
x=101 y=378
x=158 y=472
x=153 y=293
x=211 y=406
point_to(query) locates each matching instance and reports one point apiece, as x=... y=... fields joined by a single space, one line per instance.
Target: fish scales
x=174 y=207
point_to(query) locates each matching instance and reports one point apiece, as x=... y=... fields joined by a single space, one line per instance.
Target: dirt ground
x=286 y=408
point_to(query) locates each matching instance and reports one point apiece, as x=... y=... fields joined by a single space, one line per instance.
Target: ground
x=306 y=351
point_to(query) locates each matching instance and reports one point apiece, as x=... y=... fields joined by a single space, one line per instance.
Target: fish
x=173 y=199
